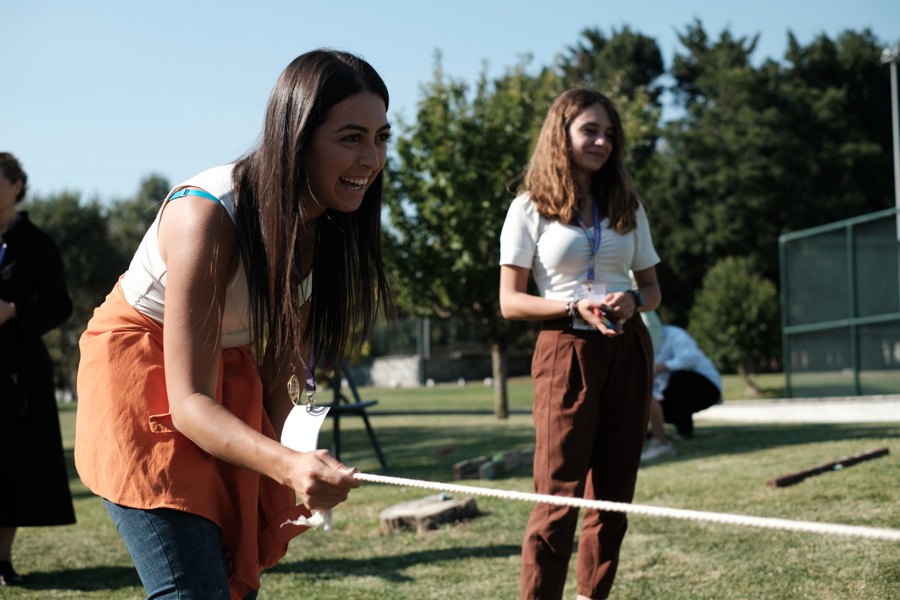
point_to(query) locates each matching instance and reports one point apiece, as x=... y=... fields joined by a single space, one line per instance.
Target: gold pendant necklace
x=293 y=388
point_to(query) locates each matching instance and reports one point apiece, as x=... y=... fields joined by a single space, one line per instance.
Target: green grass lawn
x=724 y=469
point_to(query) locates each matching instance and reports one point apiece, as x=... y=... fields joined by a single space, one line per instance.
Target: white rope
x=653 y=511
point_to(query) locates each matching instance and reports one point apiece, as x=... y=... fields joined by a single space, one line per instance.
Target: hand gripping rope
x=653 y=511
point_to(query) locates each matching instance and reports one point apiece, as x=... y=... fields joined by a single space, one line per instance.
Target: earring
x=311 y=194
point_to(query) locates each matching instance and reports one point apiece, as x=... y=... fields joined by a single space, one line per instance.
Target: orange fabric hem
x=127 y=451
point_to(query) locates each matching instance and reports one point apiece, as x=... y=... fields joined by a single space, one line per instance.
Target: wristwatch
x=638 y=299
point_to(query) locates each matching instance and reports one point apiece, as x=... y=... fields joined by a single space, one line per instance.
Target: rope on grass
x=652 y=511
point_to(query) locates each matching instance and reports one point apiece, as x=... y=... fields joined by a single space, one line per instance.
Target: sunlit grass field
x=724 y=469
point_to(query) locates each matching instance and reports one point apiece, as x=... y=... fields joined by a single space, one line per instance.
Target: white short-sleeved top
x=558 y=254
x=144 y=284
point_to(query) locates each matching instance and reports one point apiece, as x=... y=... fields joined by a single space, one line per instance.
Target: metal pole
x=891 y=56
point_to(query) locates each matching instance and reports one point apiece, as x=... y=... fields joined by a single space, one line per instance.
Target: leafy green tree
x=130 y=218
x=835 y=101
x=97 y=244
x=735 y=316
x=454 y=175
x=626 y=60
x=92 y=265
x=714 y=165
x=762 y=151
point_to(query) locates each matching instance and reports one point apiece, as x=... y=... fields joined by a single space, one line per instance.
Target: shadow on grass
x=734 y=438
x=710 y=440
x=429 y=447
x=92 y=579
x=389 y=568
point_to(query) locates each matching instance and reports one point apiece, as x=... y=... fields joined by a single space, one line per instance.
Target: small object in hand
x=606 y=319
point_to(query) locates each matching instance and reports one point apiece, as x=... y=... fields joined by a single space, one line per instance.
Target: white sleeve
x=518 y=238
x=645 y=255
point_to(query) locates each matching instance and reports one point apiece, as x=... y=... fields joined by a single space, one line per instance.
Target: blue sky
x=98 y=94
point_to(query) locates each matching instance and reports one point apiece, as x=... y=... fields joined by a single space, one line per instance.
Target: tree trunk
x=498 y=365
x=751 y=390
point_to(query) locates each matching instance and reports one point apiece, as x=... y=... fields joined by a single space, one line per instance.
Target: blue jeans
x=178 y=555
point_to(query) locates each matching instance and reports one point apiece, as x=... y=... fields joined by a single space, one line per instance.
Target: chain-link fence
x=425 y=337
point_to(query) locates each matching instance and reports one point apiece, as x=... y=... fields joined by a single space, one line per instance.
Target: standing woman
x=34 y=489
x=251 y=274
x=578 y=226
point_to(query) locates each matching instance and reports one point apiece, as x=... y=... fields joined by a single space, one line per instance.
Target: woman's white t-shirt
x=559 y=254
x=144 y=284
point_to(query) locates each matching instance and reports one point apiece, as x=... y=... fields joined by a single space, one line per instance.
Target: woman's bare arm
x=198 y=243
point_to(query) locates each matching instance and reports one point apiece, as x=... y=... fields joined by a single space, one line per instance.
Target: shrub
x=735 y=318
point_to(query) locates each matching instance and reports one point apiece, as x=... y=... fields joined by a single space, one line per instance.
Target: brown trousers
x=591 y=402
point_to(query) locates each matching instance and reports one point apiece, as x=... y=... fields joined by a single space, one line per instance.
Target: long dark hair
x=349 y=278
x=550 y=181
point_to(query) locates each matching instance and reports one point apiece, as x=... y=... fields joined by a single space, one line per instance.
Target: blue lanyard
x=594 y=239
x=2 y=252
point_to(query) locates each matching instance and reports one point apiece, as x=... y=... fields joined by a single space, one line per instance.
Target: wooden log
x=468 y=469
x=835 y=465
x=504 y=462
x=427 y=513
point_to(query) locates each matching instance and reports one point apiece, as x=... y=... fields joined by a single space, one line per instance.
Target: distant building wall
x=412 y=371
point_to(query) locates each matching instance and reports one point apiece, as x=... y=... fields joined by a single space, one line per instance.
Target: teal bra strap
x=193 y=192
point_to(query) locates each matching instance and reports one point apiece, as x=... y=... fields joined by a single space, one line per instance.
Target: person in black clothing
x=33 y=300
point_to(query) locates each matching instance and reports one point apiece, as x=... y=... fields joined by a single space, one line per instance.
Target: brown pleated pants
x=591 y=399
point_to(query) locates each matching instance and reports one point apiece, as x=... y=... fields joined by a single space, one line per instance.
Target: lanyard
x=311 y=370
x=293 y=384
x=594 y=239
x=311 y=365
x=2 y=252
